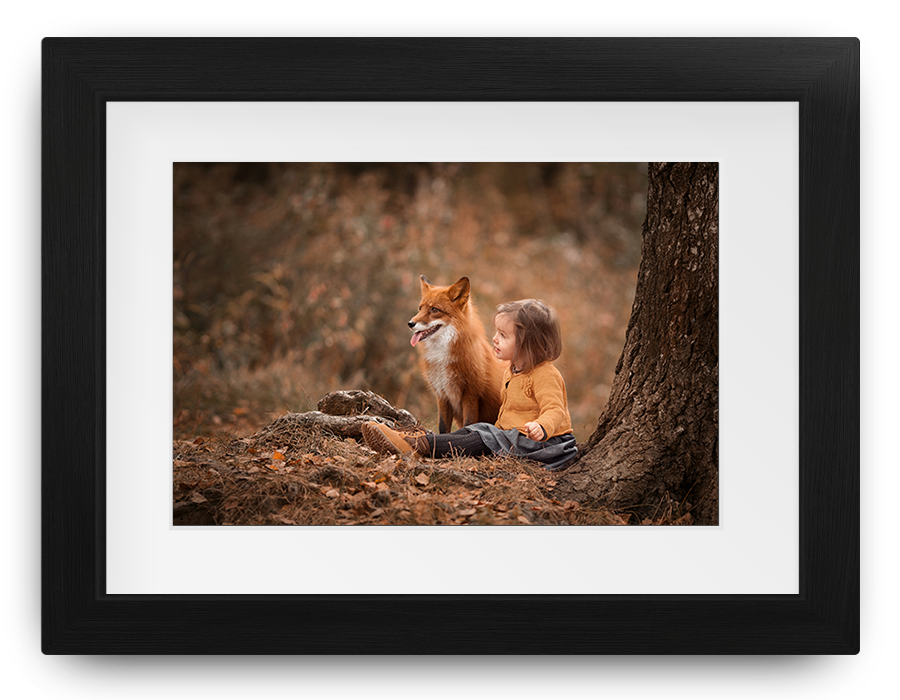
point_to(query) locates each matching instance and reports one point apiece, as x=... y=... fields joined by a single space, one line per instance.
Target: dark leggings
x=463 y=442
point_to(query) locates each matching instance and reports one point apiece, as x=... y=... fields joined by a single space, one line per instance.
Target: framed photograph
x=776 y=571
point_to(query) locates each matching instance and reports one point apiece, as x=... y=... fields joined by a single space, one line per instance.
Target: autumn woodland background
x=293 y=280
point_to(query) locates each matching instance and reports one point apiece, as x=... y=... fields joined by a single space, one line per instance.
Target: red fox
x=457 y=360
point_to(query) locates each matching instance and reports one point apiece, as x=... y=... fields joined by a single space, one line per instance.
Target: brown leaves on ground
x=281 y=478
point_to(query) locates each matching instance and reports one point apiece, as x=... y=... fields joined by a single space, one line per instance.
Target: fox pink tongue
x=417 y=336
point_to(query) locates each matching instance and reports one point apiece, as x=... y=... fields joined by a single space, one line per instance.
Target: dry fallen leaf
x=182 y=463
x=423 y=479
x=277 y=455
x=197 y=497
x=332 y=493
x=467 y=511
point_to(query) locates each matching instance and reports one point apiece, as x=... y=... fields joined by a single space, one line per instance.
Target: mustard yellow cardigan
x=537 y=395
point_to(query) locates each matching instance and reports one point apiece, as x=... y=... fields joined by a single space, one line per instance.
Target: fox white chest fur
x=438 y=352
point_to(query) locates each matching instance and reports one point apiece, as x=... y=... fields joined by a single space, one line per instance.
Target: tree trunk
x=657 y=438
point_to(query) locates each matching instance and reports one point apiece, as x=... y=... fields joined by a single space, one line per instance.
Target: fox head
x=438 y=307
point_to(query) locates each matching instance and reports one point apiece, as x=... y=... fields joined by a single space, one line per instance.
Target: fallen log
x=341 y=413
x=355 y=402
x=342 y=426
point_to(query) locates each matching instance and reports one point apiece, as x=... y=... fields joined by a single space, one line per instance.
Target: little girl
x=534 y=417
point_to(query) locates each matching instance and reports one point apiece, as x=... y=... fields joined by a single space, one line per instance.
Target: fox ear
x=459 y=292
x=424 y=283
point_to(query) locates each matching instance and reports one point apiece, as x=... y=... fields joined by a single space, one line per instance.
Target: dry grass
x=279 y=476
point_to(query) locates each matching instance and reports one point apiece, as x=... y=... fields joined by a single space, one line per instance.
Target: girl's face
x=504 y=338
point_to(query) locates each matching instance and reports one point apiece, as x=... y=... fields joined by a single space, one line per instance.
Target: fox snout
x=429 y=328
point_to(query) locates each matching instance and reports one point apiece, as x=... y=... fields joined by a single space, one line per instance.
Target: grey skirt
x=553 y=453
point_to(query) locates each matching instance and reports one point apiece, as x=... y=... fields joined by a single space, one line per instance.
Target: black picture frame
x=80 y=76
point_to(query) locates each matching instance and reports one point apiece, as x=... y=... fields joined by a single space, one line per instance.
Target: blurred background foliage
x=295 y=279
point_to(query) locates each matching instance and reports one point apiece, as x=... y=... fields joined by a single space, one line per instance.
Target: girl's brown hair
x=538 y=338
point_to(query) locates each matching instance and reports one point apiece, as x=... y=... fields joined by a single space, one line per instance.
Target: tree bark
x=658 y=434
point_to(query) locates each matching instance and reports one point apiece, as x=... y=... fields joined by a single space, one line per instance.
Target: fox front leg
x=445 y=422
x=470 y=410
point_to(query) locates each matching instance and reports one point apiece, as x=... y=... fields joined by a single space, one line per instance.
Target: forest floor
x=282 y=476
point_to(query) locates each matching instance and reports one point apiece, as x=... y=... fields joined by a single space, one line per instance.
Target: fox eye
x=436 y=310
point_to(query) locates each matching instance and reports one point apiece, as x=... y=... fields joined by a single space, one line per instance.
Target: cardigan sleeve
x=550 y=394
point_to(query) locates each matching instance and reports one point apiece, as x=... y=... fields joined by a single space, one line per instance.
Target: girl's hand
x=534 y=431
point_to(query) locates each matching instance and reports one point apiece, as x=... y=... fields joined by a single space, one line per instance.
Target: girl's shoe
x=386 y=440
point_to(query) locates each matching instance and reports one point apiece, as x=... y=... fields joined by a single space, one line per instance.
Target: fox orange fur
x=456 y=358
